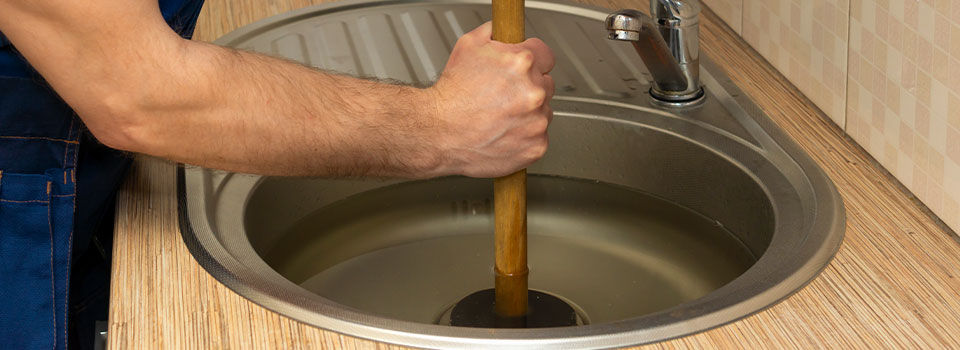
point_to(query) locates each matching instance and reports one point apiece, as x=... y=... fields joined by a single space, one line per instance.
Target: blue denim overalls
x=57 y=186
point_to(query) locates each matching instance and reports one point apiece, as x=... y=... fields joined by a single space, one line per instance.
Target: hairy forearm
x=138 y=86
x=241 y=111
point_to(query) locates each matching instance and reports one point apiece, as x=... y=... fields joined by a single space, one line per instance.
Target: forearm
x=240 y=111
x=139 y=87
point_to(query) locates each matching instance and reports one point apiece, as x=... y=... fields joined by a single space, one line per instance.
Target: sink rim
x=261 y=290
x=344 y=320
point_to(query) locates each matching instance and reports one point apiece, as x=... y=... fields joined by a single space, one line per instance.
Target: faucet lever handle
x=675 y=12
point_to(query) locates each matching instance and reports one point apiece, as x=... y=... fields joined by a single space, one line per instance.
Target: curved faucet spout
x=668 y=44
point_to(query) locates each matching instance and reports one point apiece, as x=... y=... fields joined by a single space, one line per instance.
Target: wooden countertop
x=894 y=282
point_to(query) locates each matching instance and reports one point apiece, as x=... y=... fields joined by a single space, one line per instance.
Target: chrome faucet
x=668 y=44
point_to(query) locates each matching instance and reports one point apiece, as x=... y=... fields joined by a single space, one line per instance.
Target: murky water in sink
x=409 y=251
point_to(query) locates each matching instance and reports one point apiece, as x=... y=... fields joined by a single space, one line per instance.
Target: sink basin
x=652 y=223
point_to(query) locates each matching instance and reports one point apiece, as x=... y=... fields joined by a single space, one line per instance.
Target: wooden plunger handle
x=510 y=196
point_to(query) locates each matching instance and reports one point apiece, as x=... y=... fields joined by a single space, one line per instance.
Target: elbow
x=129 y=93
x=117 y=137
x=117 y=122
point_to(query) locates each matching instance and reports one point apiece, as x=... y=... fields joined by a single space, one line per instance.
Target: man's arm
x=140 y=87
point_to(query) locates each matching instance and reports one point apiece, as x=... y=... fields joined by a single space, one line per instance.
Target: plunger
x=509 y=304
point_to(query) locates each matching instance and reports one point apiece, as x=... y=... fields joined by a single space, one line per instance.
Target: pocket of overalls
x=27 y=300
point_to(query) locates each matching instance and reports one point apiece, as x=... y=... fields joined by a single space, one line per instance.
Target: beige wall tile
x=730 y=11
x=951 y=204
x=807 y=42
x=888 y=71
x=914 y=47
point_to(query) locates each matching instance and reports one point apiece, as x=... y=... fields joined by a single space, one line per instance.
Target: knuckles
x=539 y=149
x=521 y=62
x=539 y=126
x=536 y=97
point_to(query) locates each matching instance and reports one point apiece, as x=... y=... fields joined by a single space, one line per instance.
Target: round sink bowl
x=651 y=224
x=615 y=250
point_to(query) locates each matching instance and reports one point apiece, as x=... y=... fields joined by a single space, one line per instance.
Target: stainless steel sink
x=653 y=223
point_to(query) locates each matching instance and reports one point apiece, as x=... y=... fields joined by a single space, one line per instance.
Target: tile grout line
x=846 y=83
x=742 y=14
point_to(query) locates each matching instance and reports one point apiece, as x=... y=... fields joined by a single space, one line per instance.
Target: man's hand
x=493 y=104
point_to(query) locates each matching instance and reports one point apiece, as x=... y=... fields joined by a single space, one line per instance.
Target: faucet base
x=677 y=101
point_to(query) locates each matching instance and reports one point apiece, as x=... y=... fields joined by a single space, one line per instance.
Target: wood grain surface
x=510 y=196
x=894 y=282
x=510 y=245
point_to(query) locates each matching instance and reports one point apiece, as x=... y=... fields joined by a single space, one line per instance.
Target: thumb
x=483 y=32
